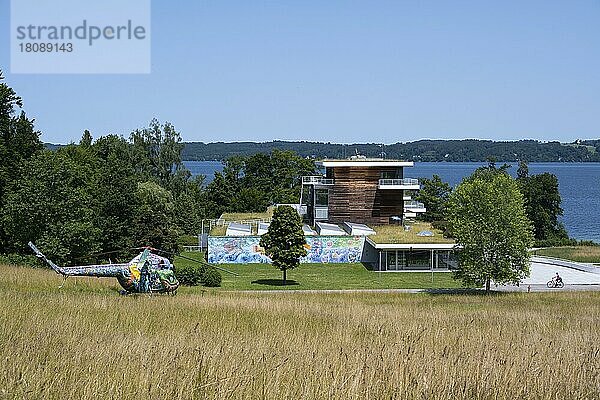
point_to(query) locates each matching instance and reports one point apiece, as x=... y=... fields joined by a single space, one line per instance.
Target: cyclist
x=557 y=278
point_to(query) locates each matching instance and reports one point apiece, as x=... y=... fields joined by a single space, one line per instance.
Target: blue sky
x=341 y=71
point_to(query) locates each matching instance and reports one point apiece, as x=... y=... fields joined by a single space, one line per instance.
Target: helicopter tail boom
x=41 y=256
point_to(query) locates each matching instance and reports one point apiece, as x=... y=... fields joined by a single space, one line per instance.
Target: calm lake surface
x=579 y=185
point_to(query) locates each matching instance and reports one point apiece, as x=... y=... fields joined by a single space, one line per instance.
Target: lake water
x=579 y=185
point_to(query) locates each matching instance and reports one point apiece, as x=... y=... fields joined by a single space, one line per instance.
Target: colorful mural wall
x=321 y=249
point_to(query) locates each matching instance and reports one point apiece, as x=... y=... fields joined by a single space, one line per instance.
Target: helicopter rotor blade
x=104 y=253
x=192 y=259
x=205 y=263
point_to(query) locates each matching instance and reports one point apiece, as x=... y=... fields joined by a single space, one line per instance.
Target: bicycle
x=554 y=283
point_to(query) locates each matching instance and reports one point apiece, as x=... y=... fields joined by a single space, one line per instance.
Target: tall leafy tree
x=284 y=241
x=154 y=217
x=19 y=141
x=434 y=194
x=250 y=184
x=489 y=223
x=542 y=205
x=53 y=205
x=156 y=151
x=115 y=191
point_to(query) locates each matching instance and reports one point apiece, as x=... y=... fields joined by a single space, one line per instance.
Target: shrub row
x=193 y=275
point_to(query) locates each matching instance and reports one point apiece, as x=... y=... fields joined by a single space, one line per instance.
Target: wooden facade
x=355 y=195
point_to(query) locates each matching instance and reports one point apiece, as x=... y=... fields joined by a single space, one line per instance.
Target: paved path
x=544 y=288
x=542 y=273
x=575 y=276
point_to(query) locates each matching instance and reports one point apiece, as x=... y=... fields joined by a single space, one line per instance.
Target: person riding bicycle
x=557 y=278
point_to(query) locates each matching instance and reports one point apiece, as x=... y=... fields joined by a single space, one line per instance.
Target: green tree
x=19 y=141
x=489 y=223
x=284 y=241
x=154 y=217
x=252 y=183
x=434 y=194
x=523 y=170
x=542 y=205
x=156 y=151
x=53 y=205
x=86 y=139
x=115 y=191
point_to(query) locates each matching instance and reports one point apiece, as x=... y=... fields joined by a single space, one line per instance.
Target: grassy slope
x=325 y=276
x=85 y=342
x=586 y=254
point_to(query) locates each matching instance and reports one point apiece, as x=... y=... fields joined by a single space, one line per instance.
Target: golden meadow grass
x=586 y=254
x=85 y=341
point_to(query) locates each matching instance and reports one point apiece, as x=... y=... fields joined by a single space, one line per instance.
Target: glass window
x=390 y=174
x=322 y=197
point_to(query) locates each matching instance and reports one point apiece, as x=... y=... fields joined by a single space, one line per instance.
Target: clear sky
x=341 y=71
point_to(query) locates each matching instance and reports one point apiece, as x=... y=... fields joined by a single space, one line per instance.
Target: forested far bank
x=469 y=150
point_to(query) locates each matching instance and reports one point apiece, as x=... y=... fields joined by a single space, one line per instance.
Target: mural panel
x=333 y=249
x=321 y=249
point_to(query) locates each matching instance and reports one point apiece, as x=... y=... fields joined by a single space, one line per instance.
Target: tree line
x=470 y=150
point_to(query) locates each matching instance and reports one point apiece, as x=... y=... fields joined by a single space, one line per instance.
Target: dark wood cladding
x=355 y=196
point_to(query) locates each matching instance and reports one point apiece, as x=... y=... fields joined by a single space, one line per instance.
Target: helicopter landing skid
x=64 y=282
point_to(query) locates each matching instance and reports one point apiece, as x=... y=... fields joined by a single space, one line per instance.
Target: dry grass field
x=85 y=341
x=585 y=254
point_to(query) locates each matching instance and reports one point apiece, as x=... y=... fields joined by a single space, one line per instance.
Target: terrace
x=317 y=180
x=414 y=206
x=219 y=226
x=396 y=184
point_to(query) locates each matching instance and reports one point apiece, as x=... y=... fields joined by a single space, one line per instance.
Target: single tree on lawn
x=284 y=241
x=489 y=222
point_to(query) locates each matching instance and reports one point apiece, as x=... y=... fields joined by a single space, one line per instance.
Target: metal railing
x=398 y=182
x=413 y=204
x=316 y=180
x=212 y=223
x=192 y=248
x=300 y=208
x=321 y=213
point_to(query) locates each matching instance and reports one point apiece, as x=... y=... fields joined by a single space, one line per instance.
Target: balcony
x=317 y=181
x=414 y=207
x=399 y=184
x=321 y=213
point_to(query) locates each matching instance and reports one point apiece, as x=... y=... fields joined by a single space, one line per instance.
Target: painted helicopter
x=145 y=273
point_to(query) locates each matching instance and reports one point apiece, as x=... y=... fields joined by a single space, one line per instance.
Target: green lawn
x=325 y=276
x=586 y=254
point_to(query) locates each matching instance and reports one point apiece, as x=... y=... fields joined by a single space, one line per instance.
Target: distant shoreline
x=466 y=150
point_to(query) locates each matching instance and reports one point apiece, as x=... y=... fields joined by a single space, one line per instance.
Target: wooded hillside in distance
x=421 y=150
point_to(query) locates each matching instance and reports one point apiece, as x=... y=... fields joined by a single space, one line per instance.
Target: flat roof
x=412 y=246
x=358 y=229
x=326 y=229
x=234 y=229
x=365 y=162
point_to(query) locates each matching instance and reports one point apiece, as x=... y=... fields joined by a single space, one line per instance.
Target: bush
x=17 y=259
x=212 y=277
x=187 y=240
x=190 y=274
